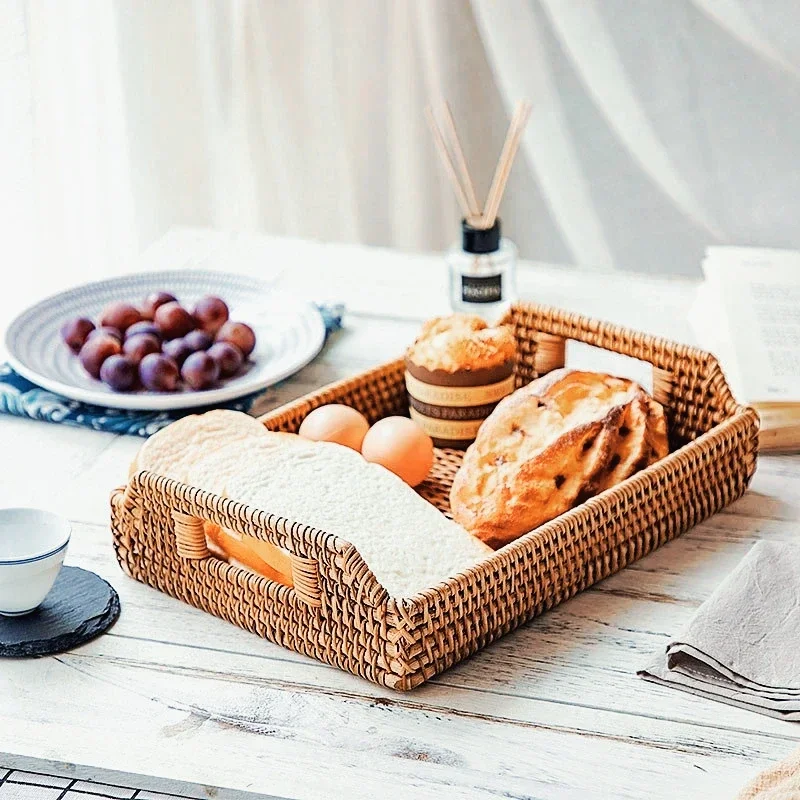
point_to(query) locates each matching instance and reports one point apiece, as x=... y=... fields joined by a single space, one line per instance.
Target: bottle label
x=481 y=289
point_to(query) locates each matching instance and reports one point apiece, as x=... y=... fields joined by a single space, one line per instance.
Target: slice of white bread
x=182 y=445
x=407 y=543
x=212 y=472
x=174 y=449
x=217 y=467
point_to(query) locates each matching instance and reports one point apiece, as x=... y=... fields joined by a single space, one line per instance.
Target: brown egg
x=400 y=445
x=335 y=423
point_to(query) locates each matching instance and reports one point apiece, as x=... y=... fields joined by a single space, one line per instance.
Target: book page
x=759 y=291
x=710 y=326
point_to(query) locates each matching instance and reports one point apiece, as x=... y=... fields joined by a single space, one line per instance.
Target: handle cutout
x=259 y=558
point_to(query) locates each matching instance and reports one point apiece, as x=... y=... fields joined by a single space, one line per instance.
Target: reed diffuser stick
x=455 y=164
x=466 y=178
x=444 y=155
x=507 y=155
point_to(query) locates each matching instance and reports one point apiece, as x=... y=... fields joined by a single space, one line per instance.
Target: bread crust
x=462 y=342
x=549 y=447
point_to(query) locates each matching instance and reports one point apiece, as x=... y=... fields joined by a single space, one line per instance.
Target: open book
x=748 y=313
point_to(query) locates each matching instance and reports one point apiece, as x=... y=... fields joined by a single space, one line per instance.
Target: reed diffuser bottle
x=483 y=265
x=483 y=272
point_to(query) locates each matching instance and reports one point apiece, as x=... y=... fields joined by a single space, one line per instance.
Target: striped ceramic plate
x=289 y=333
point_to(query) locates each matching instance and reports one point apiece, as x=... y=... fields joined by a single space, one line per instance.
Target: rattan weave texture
x=338 y=613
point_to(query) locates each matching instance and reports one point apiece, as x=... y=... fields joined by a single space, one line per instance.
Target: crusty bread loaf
x=551 y=445
x=407 y=543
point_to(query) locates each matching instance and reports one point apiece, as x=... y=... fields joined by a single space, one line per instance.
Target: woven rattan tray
x=338 y=613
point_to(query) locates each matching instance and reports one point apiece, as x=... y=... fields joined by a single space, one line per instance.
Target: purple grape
x=141 y=345
x=158 y=373
x=210 y=313
x=173 y=320
x=75 y=332
x=177 y=350
x=120 y=315
x=198 y=340
x=119 y=372
x=229 y=358
x=106 y=330
x=238 y=334
x=145 y=326
x=200 y=371
x=96 y=350
x=153 y=301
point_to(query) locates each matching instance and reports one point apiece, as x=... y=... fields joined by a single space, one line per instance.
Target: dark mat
x=80 y=606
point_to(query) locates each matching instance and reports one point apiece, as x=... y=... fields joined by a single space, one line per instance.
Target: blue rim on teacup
x=33 y=545
x=33 y=516
x=32 y=559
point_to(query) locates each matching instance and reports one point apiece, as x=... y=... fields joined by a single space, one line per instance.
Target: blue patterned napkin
x=21 y=398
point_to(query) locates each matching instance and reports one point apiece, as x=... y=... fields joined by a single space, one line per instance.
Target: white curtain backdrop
x=658 y=127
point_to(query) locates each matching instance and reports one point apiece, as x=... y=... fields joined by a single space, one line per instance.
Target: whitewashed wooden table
x=176 y=700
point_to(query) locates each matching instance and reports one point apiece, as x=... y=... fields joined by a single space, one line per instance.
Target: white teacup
x=33 y=544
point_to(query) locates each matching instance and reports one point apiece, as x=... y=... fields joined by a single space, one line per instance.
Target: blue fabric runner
x=21 y=398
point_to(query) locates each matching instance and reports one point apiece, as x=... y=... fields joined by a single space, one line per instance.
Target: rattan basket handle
x=190 y=537
x=191 y=544
x=551 y=353
x=191 y=508
x=662 y=386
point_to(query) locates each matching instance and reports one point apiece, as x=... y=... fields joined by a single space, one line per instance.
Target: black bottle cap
x=479 y=240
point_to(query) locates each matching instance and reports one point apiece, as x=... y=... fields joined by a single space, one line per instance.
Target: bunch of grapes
x=160 y=345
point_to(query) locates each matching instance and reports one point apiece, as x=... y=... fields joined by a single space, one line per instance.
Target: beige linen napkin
x=779 y=782
x=742 y=647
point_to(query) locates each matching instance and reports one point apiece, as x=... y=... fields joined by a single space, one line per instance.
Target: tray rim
x=737 y=428
x=339 y=545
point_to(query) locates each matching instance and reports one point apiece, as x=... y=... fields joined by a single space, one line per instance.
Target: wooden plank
x=553 y=710
x=480 y=699
x=293 y=742
x=609 y=635
x=46 y=466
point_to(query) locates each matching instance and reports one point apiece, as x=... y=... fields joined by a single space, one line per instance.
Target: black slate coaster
x=80 y=606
